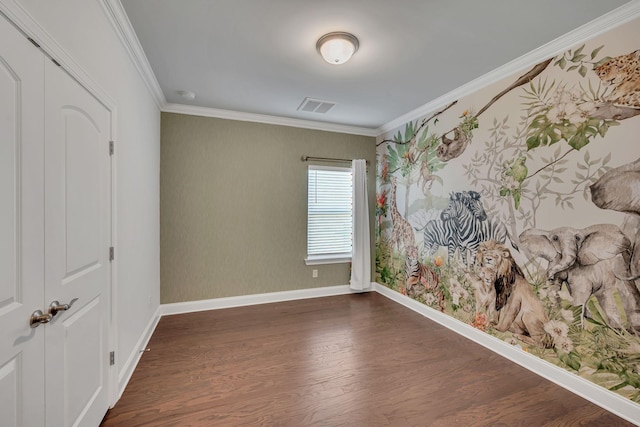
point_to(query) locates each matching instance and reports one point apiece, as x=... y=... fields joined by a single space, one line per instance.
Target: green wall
x=233 y=206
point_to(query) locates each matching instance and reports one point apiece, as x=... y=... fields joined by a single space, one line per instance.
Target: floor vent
x=316 y=106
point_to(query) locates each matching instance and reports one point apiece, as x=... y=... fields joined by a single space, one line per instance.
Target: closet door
x=77 y=240
x=21 y=229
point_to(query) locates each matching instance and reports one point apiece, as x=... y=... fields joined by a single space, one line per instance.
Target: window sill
x=327 y=259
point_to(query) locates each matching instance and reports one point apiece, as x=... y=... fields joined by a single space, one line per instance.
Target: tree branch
x=424 y=122
x=609 y=111
x=525 y=78
x=550 y=164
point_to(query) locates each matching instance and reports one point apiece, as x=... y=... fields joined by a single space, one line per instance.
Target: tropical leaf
x=578 y=51
x=582 y=70
x=578 y=58
x=595 y=52
x=597 y=314
x=602 y=61
x=571 y=359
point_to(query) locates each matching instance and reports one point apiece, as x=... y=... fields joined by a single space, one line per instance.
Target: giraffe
x=402 y=232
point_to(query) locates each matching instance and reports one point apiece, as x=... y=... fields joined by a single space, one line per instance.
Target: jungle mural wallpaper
x=516 y=210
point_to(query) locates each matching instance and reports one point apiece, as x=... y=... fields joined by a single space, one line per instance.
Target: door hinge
x=111 y=147
x=112 y=358
x=112 y=253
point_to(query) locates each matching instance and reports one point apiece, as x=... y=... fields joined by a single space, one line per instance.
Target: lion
x=520 y=311
x=485 y=293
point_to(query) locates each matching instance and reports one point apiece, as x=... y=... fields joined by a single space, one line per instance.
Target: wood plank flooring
x=352 y=360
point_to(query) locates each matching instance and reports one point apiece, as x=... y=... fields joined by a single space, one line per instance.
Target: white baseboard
x=243 y=300
x=600 y=396
x=132 y=361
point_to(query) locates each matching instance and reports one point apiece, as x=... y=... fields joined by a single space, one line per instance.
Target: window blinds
x=330 y=224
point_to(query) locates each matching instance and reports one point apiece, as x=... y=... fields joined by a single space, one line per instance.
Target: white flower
x=566 y=96
x=560 y=112
x=569 y=108
x=429 y=299
x=553 y=115
x=457 y=291
x=512 y=341
x=575 y=94
x=587 y=108
x=565 y=108
x=567 y=315
x=455 y=298
x=564 y=344
x=576 y=118
x=561 y=97
x=557 y=329
x=583 y=112
x=510 y=183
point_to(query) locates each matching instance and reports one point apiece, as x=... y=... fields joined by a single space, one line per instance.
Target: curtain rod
x=325 y=159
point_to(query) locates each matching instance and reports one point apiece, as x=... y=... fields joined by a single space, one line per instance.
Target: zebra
x=471 y=224
x=439 y=233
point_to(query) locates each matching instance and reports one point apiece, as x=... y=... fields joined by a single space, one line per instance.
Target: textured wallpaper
x=233 y=206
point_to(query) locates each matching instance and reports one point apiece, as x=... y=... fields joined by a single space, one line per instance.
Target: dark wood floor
x=353 y=360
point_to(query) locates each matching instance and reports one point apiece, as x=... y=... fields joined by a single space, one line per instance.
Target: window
x=330 y=215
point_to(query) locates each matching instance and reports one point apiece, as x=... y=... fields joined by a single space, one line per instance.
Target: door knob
x=37 y=318
x=55 y=306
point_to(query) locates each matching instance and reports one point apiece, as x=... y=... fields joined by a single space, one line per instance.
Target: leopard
x=624 y=73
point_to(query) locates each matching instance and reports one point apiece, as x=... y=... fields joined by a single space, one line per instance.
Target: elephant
x=619 y=190
x=591 y=262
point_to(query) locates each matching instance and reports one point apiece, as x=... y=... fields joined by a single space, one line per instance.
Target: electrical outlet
x=314 y=274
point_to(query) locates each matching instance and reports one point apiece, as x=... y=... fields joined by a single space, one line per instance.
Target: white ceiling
x=259 y=57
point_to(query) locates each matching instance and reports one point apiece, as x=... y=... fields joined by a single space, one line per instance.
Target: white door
x=77 y=240
x=21 y=229
x=55 y=222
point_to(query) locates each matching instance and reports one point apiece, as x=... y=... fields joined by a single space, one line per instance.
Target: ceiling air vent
x=316 y=106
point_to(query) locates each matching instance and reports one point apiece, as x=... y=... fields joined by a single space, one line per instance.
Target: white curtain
x=361 y=257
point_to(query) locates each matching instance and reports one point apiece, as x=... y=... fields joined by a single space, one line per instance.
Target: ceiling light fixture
x=337 y=48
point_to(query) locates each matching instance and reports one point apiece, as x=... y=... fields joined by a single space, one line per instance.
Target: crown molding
x=602 y=24
x=123 y=28
x=272 y=120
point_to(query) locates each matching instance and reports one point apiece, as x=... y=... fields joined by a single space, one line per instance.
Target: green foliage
x=558 y=113
x=571 y=359
x=397 y=158
x=545 y=132
x=577 y=60
x=469 y=123
x=384 y=270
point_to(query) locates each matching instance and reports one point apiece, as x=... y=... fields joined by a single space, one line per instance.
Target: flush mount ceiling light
x=337 y=48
